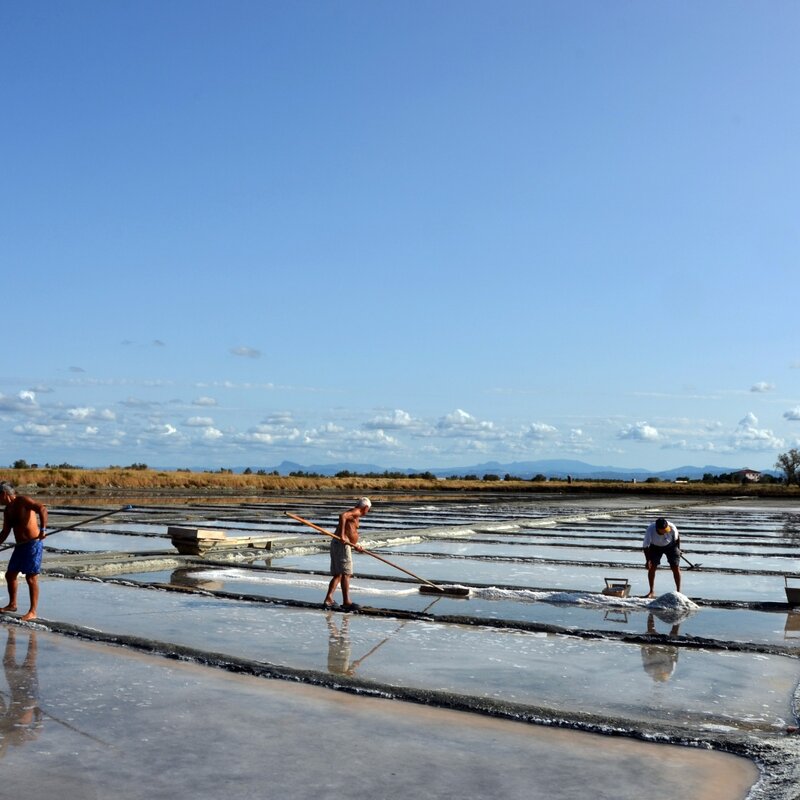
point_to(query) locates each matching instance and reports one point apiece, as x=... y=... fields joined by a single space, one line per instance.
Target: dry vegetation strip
x=113 y=480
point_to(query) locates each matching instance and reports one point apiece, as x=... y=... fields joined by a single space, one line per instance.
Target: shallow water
x=539 y=670
x=106 y=722
x=715 y=674
x=558 y=609
x=695 y=583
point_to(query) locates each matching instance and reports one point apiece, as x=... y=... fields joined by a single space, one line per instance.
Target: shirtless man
x=341 y=555
x=28 y=520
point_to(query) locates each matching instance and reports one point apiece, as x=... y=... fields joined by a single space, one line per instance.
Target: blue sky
x=419 y=234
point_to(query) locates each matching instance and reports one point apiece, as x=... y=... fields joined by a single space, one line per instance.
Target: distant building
x=747 y=475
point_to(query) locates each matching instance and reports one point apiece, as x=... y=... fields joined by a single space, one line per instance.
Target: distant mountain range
x=550 y=468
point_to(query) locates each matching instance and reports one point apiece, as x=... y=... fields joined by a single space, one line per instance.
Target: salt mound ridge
x=672 y=606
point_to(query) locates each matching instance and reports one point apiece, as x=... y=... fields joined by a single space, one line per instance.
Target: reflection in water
x=339 y=649
x=791 y=528
x=339 y=642
x=659 y=660
x=792 y=628
x=184 y=576
x=616 y=615
x=20 y=714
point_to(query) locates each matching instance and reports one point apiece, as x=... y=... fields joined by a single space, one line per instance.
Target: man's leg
x=346 y=590
x=33 y=590
x=331 y=589
x=11 y=582
x=651 y=578
x=676 y=573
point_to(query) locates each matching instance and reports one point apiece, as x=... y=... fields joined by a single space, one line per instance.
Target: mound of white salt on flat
x=673 y=606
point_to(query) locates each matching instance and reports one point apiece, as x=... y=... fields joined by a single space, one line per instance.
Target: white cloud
x=162 y=429
x=246 y=352
x=135 y=402
x=684 y=444
x=270 y=433
x=540 y=430
x=25 y=401
x=89 y=414
x=204 y=401
x=748 y=436
x=35 y=429
x=377 y=438
x=395 y=421
x=211 y=434
x=762 y=386
x=282 y=418
x=461 y=423
x=80 y=413
x=199 y=422
x=793 y=414
x=640 y=432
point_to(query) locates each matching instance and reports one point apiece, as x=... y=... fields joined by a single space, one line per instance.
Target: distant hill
x=550 y=468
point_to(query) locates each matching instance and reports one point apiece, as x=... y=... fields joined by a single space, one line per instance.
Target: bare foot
x=8 y=608
x=30 y=615
x=648 y=596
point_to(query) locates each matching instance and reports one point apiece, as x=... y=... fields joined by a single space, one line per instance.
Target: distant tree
x=470 y=478
x=539 y=478
x=247 y=471
x=137 y=465
x=20 y=463
x=652 y=479
x=789 y=464
x=491 y=477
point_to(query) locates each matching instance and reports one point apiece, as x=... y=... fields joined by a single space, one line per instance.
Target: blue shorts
x=26 y=558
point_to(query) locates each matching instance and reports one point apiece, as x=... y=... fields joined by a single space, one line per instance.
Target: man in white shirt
x=662 y=539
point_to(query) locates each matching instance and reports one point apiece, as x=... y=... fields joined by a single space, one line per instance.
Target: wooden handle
x=77 y=524
x=368 y=552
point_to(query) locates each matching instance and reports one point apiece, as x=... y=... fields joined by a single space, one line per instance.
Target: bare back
x=25 y=517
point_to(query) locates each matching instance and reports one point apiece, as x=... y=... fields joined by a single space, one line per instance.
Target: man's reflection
x=659 y=660
x=339 y=650
x=20 y=714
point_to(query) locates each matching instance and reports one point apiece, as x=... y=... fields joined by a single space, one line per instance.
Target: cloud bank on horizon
x=42 y=429
x=373 y=232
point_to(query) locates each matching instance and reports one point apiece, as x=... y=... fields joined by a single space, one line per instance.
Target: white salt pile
x=673 y=606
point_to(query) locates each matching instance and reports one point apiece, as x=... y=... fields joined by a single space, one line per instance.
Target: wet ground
x=534 y=647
